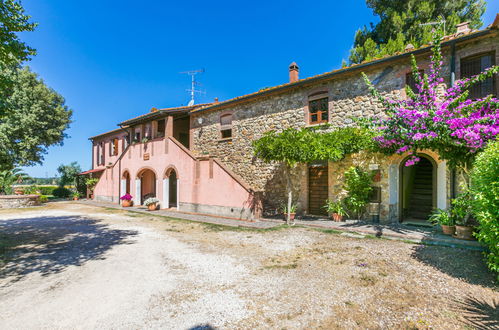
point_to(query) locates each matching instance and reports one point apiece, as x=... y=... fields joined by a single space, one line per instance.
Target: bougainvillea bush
x=485 y=188
x=437 y=118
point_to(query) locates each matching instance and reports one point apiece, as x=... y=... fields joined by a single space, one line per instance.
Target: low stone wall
x=18 y=201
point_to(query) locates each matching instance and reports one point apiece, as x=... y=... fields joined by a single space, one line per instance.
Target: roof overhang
x=95 y=170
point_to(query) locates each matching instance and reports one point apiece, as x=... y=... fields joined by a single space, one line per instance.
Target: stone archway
x=418 y=189
x=145 y=185
x=171 y=188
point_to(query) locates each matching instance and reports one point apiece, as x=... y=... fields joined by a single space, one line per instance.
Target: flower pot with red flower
x=126 y=200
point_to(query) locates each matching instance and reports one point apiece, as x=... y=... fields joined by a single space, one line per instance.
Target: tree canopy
x=68 y=173
x=400 y=24
x=35 y=117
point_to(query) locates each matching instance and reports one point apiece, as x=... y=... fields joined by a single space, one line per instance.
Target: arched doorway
x=170 y=188
x=418 y=189
x=146 y=186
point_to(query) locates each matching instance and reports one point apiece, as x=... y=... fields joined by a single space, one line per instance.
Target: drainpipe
x=452 y=82
x=119 y=164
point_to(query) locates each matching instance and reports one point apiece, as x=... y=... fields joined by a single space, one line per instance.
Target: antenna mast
x=194 y=83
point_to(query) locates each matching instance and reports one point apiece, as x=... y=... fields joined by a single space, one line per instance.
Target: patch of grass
x=367 y=280
x=328 y=231
x=287 y=266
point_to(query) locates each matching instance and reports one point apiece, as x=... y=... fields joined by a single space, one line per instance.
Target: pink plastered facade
x=164 y=168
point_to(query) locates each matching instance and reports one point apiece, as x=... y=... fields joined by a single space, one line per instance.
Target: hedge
x=61 y=192
x=485 y=185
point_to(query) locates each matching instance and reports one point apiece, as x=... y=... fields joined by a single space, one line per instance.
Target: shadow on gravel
x=50 y=244
x=463 y=264
x=479 y=314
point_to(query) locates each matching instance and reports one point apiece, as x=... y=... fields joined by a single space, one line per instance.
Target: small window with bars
x=472 y=66
x=318 y=110
x=226 y=126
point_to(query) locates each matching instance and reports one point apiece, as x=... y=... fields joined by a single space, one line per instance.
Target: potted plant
x=91 y=183
x=76 y=196
x=151 y=203
x=336 y=209
x=292 y=211
x=126 y=200
x=461 y=212
x=444 y=219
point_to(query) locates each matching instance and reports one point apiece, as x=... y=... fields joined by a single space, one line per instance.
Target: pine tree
x=400 y=24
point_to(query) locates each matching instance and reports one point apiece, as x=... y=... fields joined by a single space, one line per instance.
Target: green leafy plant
x=61 y=192
x=30 y=190
x=150 y=201
x=76 y=194
x=91 y=183
x=441 y=217
x=358 y=184
x=44 y=199
x=461 y=208
x=10 y=177
x=46 y=190
x=292 y=209
x=485 y=205
x=335 y=207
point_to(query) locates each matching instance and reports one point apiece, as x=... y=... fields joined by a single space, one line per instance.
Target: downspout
x=119 y=163
x=452 y=83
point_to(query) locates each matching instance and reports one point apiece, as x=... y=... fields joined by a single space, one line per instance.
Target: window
x=411 y=82
x=226 y=126
x=318 y=110
x=101 y=153
x=161 y=128
x=126 y=141
x=136 y=136
x=114 y=147
x=474 y=65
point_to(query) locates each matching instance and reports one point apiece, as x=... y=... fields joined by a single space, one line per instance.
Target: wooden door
x=317 y=189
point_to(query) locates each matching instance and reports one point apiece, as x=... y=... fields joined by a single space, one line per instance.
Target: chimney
x=293 y=72
x=216 y=100
x=463 y=28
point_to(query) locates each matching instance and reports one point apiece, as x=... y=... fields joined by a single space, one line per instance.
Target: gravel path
x=73 y=266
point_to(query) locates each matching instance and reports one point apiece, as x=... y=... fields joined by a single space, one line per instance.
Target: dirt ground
x=72 y=266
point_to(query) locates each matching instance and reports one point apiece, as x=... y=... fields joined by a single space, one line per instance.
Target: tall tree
x=401 y=24
x=68 y=174
x=13 y=20
x=35 y=118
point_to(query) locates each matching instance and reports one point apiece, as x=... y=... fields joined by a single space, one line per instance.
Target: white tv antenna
x=442 y=22
x=194 y=83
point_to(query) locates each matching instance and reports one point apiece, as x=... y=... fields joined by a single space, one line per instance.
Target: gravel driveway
x=72 y=266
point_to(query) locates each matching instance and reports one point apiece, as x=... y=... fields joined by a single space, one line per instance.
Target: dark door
x=317 y=189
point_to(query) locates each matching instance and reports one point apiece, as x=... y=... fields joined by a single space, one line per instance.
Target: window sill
x=225 y=140
x=317 y=124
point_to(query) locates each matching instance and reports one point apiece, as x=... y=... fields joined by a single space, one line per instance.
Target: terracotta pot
x=337 y=217
x=19 y=192
x=151 y=207
x=126 y=203
x=291 y=216
x=464 y=232
x=448 y=230
x=75 y=198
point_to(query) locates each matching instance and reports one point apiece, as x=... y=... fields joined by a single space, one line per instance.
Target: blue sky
x=113 y=60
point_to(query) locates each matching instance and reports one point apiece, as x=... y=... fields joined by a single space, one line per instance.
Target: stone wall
x=18 y=201
x=348 y=97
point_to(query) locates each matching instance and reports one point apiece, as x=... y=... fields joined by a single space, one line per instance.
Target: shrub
x=441 y=217
x=46 y=190
x=485 y=186
x=358 y=187
x=61 y=192
x=44 y=199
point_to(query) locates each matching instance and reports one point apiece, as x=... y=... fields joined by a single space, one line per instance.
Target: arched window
x=226 y=126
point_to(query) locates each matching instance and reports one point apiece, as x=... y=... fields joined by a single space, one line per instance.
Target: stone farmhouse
x=199 y=158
